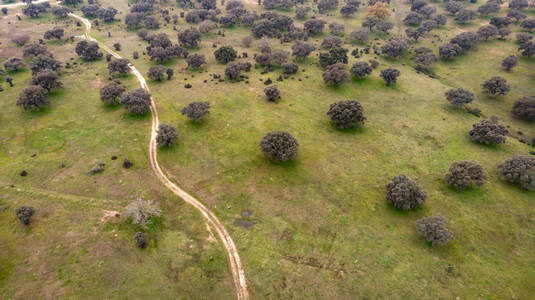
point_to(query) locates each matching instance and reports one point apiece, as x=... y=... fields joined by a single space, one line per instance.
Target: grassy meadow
x=317 y=227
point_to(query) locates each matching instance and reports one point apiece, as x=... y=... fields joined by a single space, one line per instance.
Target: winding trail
x=238 y=273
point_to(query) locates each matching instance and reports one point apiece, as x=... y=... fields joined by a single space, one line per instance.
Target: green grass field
x=322 y=227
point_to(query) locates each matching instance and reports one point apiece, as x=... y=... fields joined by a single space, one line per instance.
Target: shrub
x=487 y=31
x=43 y=62
x=390 y=75
x=20 y=39
x=141 y=240
x=136 y=101
x=33 y=97
x=519 y=169
x=463 y=173
x=395 y=47
x=509 y=62
x=196 y=110
x=465 y=15
x=404 y=194
x=24 y=214
x=189 y=37
x=459 y=97
x=449 y=51
x=111 y=92
x=233 y=69
x=413 y=19
x=289 y=68
x=314 y=26
x=279 y=146
x=425 y=57
x=195 y=61
x=166 y=135
x=330 y=42
x=488 y=131
x=301 y=12
x=301 y=50
x=157 y=72
x=34 y=49
x=13 y=64
x=434 y=230
x=360 y=36
x=120 y=66
x=466 y=40
x=361 y=69
x=56 y=33
x=272 y=92
x=348 y=10
x=88 y=50
x=335 y=74
x=523 y=37
x=333 y=56
x=524 y=108
x=142 y=211
x=47 y=79
x=496 y=86
x=346 y=114
x=225 y=54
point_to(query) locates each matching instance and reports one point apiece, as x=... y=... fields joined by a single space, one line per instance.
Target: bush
x=289 y=68
x=361 y=69
x=519 y=169
x=136 y=101
x=404 y=194
x=390 y=75
x=301 y=12
x=47 y=79
x=13 y=64
x=465 y=15
x=524 y=108
x=141 y=240
x=120 y=66
x=487 y=31
x=24 y=214
x=523 y=37
x=334 y=56
x=189 y=37
x=279 y=146
x=413 y=19
x=233 y=69
x=463 y=173
x=111 y=92
x=434 y=230
x=330 y=42
x=314 y=26
x=272 y=92
x=509 y=62
x=157 y=72
x=302 y=50
x=488 y=131
x=166 y=135
x=449 y=51
x=33 y=97
x=466 y=40
x=196 y=110
x=43 y=62
x=88 y=50
x=195 y=61
x=395 y=47
x=496 y=86
x=360 y=36
x=56 y=33
x=425 y=57
x=34 y=49
x=225 y=54
x=142 y=211
x=459 y=97
x=335 y=74
x=20 y=39
x=346 y=114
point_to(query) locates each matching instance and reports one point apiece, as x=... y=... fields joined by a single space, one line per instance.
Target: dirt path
x=21 y=3
x=238 y=272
